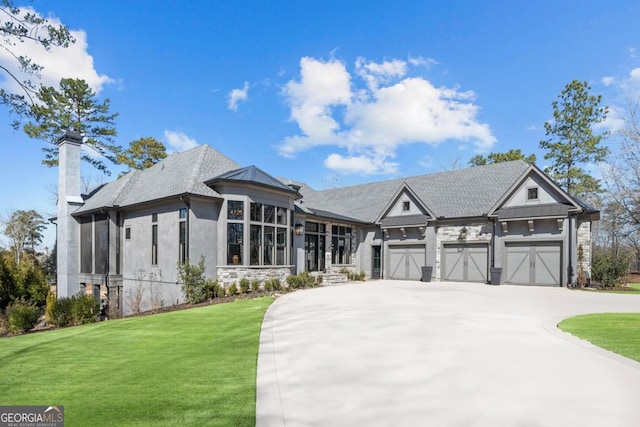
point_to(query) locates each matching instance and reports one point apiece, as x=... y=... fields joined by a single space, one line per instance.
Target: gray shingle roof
x=180 y=173
x=460 y=193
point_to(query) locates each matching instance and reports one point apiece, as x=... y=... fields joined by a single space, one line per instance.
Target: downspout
x=570 y=247
x=382 y=256
x=188 y=240
x=108 y=269
x=493 y=244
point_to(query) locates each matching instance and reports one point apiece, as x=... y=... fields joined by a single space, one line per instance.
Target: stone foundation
x=233 y=274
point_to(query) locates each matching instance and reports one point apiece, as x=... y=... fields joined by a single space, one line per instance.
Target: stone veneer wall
x=335 y=269
x=584 y=238
x=232 y=274
x=450 y=234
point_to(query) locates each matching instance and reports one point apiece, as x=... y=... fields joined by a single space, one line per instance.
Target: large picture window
x=267 y=241
x=340 y=245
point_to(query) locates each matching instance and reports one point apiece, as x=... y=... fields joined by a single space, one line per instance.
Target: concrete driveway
x=391 y=353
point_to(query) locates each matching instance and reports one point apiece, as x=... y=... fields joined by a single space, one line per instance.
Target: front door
x=375 y=259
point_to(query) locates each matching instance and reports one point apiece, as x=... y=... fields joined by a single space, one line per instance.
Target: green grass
x=192 y=367
x=619 y=333
x=634 y=286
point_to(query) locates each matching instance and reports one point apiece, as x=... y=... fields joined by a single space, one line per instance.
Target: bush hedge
x=22 y=317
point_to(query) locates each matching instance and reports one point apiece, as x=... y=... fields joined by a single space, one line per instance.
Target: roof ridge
x=131 y=176
x=196 y=170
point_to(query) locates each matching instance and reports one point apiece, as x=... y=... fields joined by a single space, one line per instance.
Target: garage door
x=465 y=262
x=533 y=263
x=406 y=261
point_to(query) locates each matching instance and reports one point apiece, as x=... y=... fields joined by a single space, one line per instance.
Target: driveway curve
x=392 y=353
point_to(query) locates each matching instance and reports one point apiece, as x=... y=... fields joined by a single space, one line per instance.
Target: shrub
x=294 y=282
x=308 y=281
x=193 y=281
x=255 y=285
x=49 y=316
x=212 y=289
x=244 y=285
x=22 y=317
x=84 y=309
x=233 y=289
x=607 y=269
x=319 y=280
x=272 y=285
x=60 y=312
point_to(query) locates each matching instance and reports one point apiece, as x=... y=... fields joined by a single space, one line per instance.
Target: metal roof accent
x=251 y=174
x=554 y=210
x=404 y=220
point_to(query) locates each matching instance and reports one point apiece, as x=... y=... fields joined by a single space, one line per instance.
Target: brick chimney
x=68 y=229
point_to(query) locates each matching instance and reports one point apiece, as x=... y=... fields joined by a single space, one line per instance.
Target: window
x=406 y=206
x=154 y=217
x=86 y=244
x=235 y=210
x=154 y=244
x=282 y=216
x=127 y=233
x=182 y=242
x=235 y=232
x=255 y=244
x=340 y=245
x=183 y=213
x=267 y=243
x=532 y=193
x=269 y=214
x=256 y=212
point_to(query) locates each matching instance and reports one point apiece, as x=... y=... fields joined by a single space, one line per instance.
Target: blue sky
x=329 y=92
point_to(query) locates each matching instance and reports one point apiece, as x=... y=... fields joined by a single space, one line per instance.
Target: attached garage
x=533 y=263
x=462 y=262
x=405 y=262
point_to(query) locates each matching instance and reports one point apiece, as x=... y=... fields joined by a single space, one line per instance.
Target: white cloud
x=422 y=61
x=179 y=141
x=370 y=123
x=375 y=74
x=237 y=95
x=71 y=62
x=608 y=80
x=362 y=164
x=614 y=121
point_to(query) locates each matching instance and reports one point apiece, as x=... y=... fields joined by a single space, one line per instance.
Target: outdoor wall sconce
x=298 y=229
x=463 y=234
x=531 y=226
x=560 y=223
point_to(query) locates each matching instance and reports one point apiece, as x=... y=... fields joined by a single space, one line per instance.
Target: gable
x=405 y=204
x=535 y=194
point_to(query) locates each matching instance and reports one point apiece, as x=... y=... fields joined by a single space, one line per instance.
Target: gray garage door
x=465 y=262
x=533 y=263
x=406 y=261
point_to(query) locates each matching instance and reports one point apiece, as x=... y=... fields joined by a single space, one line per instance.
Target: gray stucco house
x=505 y=223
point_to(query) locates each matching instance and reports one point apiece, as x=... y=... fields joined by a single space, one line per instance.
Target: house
x=504 y=223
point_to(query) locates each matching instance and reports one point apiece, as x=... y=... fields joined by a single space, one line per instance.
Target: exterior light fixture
x=463 y=234
x=298 y=229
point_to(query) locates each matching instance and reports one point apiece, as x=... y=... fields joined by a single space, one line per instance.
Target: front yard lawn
x=192 y=367
x=617 y=332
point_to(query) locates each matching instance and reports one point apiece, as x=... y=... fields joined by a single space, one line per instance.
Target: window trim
x=537 y=195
